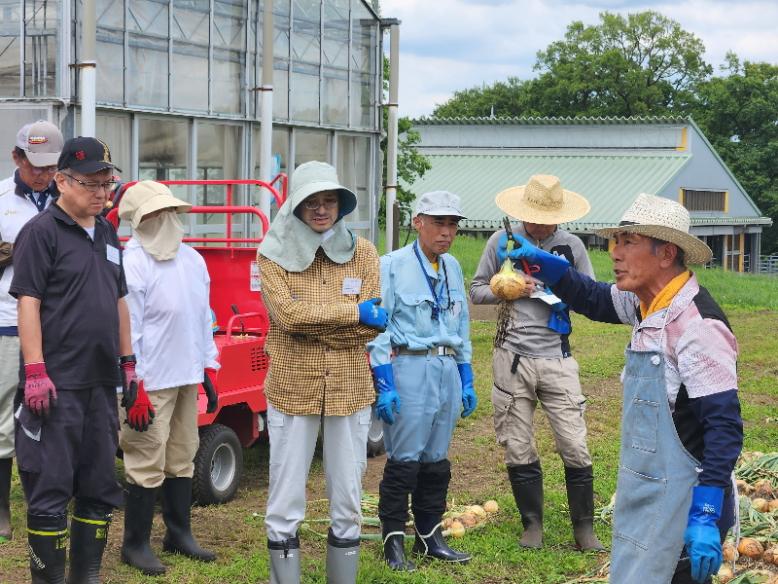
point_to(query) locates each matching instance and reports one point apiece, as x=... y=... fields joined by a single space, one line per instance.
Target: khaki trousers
x=167 y=449
x=518 y=386
x=9 y=381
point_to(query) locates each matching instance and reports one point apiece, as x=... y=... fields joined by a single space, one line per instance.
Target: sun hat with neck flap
x=662 y=219
x=543 y=201
x=290 y=242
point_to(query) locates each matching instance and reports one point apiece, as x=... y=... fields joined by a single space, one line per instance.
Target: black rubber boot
x=342 y=559
x=5 y=499
x=429 y=504
x=580 y=497
x=284 y=561
x=176 y=511
x=398 y=483
x=527 y=484
x=138 y=518
x=47 y=536
x=88 y=536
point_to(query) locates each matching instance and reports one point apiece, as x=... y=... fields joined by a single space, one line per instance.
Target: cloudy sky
x=446 y=45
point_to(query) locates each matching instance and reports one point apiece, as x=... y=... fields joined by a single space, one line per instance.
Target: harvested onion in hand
x=508 y=284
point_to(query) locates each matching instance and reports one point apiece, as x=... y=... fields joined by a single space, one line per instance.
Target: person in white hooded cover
x=173 y=342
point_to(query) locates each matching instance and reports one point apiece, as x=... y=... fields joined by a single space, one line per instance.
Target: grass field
x=235 y=530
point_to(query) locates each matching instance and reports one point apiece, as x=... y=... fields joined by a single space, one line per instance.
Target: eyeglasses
x=313 y=204
x=92 y=186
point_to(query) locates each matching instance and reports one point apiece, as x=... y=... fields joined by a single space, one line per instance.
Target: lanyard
x=436 y=307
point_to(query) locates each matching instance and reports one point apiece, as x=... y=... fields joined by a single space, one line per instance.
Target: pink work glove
x=39 y=392
x=129 y=380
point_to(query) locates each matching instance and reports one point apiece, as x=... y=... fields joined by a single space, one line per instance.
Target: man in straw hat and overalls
x=320 y=283
x=424 y=379
x=532 y=361
x=173 y=343
x=681 y=430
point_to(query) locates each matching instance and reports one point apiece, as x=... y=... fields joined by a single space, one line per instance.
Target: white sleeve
x=136 y=302
x=211 y=354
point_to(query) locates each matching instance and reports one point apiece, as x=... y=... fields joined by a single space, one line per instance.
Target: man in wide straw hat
x=173 y=343
x=321 y=286
x=532 y=360
x=681 y=431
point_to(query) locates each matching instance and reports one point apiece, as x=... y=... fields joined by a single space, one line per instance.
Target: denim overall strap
x=656 y=476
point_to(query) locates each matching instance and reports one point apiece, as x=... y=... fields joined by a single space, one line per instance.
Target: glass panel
x=335 y=96
x=228 y=24
x=162 y=149
x=190 y=77
x=11 y=120
x=190 y=21
x=114 y=130
x=311 y=145
x=40 y=59
x=110 y=60
x=280 y=159
x=354 y=172
x=363 y=102
x=218 y=155
x=280 y=90
x=147 y=71
x=306 y=34
x=148 y=17
x=227 y=81
x=304 y=94
x=110 y=14
x=10 y=17
x=336 y=28
x=364 y=44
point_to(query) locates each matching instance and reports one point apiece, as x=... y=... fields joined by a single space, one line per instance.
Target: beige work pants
x=167 y=449
x=9 y=381
x=515 y=394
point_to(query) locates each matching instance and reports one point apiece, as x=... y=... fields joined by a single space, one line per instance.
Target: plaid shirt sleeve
x=296 y=316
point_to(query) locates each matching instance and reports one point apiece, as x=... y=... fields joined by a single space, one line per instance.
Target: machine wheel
x=218 y=465
x=375 y=436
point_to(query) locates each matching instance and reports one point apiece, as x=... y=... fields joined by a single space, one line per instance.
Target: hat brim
x=695 y=250
x=42 y=158
x=347 y=200
x=158 y=203
x=512 y=202
x=91 y=167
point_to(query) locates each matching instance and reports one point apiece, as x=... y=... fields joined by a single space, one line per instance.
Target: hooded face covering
x=161 y=235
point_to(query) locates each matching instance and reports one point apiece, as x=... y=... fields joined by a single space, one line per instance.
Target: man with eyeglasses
x=74 y=331
x=22 y=196
x=423 y=377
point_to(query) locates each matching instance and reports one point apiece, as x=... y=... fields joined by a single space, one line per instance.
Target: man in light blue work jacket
x=421 y=367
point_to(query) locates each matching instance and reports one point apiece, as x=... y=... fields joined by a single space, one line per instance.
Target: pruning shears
x=517 y=244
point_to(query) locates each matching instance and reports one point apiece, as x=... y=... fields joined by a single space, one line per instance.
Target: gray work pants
x=292 y=443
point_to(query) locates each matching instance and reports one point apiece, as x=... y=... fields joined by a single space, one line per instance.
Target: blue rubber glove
x=469 y=399
x=702 y=537
x=387 y=401
x=372 y=315
x=552 y=267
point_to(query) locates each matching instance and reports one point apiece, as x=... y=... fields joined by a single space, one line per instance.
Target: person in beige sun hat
x=681 y=423
x=532 y=360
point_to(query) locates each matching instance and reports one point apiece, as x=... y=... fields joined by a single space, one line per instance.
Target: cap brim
x=42 y=158
x=156 y=204
x=91 y=167
x=695 y=250
x=442 y=212
x=512 y=202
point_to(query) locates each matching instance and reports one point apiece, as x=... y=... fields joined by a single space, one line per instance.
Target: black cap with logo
x=85 y=155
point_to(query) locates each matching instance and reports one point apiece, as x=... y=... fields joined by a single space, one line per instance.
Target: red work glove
x=141 y=414
x=210 y=391
x=39 y=392
x=129 y=380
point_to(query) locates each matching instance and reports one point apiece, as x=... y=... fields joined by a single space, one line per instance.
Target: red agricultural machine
x=239 y=419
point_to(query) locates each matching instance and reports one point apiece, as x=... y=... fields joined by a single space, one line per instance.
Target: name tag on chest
x=352 y=286
x=112 y=254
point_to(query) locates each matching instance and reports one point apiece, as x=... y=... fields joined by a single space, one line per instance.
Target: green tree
x=411 y=164
x=737 y=112
x=501 y=99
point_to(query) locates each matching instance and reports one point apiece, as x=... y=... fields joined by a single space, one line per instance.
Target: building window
x=705 y=200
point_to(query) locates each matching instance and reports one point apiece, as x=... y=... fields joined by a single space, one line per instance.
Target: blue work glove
x=702 y=537
x=372 y=315
x=552 y=267
x=559 y=320
x=469 y=399
x=387 y=401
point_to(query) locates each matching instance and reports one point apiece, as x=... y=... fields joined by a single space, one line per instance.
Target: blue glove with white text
x=387 y=401
x=372 y=315
x=469 y=399
x=552 y=266
x=702 y=537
